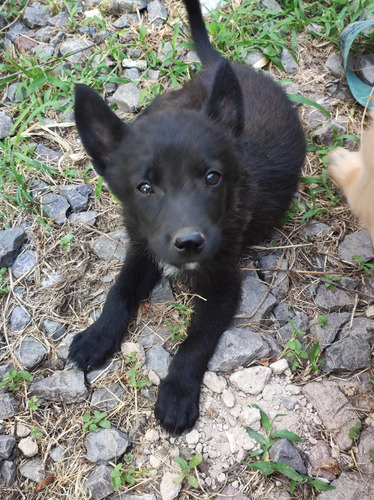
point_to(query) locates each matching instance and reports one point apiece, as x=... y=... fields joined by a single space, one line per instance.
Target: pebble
x=127 y=97
x=30 y=353
x=192 y=437
x=6 y=124
x=19 y=319
x=169 y=488
x=214 y=382
x=10 y=243
x=65 y=385
x=24 y=263
x=28 y=447
x=106 y=445
x=158 y=360
x=251 y=380
x=7 y=447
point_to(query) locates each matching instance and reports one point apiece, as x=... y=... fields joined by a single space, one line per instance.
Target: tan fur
x=353 y=172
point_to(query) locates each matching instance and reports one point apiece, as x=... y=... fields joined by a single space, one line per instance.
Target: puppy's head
x=174 y=171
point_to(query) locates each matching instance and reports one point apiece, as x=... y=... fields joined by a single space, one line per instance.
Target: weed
x=36 y=432
x=65 y=241
x=93 y=423
x=265 y=466
x=13 y=378
x=121 y=475
x=330 y=278
x=322 y=320
x=137 y=380
x=355 y=431
x=297 y=353
x=3 y=281
x=367 y=267
x=33 y=403
x=179 y=330
x=186 y=468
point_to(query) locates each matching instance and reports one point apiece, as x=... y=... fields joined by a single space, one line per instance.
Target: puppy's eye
x=145 y=188
x=212 y=178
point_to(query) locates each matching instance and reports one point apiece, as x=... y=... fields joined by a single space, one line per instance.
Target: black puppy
x=203 y=172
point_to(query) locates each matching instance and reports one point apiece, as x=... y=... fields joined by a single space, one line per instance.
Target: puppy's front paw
x=177 y=407
x=91 y=348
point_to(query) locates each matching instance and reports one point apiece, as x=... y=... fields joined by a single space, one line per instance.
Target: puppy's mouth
x=190 y=266
x=172 y=271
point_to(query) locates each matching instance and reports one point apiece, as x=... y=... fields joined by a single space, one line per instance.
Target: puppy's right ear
x=100 y=130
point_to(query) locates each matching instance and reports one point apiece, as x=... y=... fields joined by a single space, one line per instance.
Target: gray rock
x=19 y=319
x=129 y=496
x=8 y=405
x=289 y=64
x=254 y=57
x=319 y=456
x=314 y=118
x=313 y=229
x=66 y=385
x=15 y=30
x=44 y=51
x=356 y=244
x=6 y=124
x=251 y=380
x=157 y=13
x=45 y=154
x=291 y=88
x=284 y=451
x=333 y=409
x=108 y=398
x=24 y=263
x=5 y=368
x=54 y=277
x=99 y=482
x=30 y=353
x=162 y=292
x=271 y=4
x=131 y=74
x=339 y=90
x=88 y=217
x=112 y=246
x=158 y=360
x=238 y=347
x=208 y=6
x=77 y=196
x=125 y=21
x=7 y=447
x=73 y=46
x=149 y=337
x=120 y=7
x=349 y=354
x=54 y=329
x=301 y=322
x=35 y=16
x=334 y=65
x=127 y=97
x=325 y=135
x=55 y=206
x=8 y=473
x=365 y=450
x=256 y=302
x=44 y=34
x=16 y=93
x=329 y=300
x=139 y=64
x=62 y=350
x=327 y=333
x=366 y=69
x=59 y=20
x=106 y=445
x=279 y=279
x=57 y=453
x=10 y=242
x=349 y=486
x=282 y=313
x=33 y=469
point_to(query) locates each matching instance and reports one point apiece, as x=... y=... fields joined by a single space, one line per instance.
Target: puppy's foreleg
x=177 y=407
x=93 y=346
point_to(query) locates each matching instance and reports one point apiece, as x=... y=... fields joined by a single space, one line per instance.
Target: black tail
x=204 y=48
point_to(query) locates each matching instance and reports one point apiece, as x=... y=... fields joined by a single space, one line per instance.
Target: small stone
x=131 y=74
x=158 y=360
x=365 y=451
x=47 y=155
x=6 y=124
x=139 y=64
x=24 y=263
x=15 y=30
x=127 y=97
x=251 y=380
x=112 y=246
x=108 y=398
x=57 y=453
x=271 y=4
x=10 y=242
x=35 y=16
x=157 y=13
x=169 y=487
x=30 y=353
x=8 y=473
x=255 y=58
x=54 y=329
x=256 y=302
x=120 y=7
x=7 y=447
x=152 y=435
x=55 y=206
x=88 y=217
x=28 y=447
x=366 y=69
x=8 y=405
x=326 y=134
x=284 y=451
x=231 y=493
x=19 y=319
x=32 y=469
x=53 y=277
x=192 y=437
x=208 y=6
x=289 y=64
x=313 y=229
x=130 y=348
x=65 y=385
x=349 y=486
x=250 y=417
x=153 y=74
x=106 y=445
x=320 y=457
x=60 y=20
x=334 y=65
x=73 y=46
x=149 y=337
x=333 y=300
x=356 y=244
x=228 y=398
x=99 y=482
x=214 y=382
x=76 y=195
x=348 y=354
x=279 y=367
x=21 y=430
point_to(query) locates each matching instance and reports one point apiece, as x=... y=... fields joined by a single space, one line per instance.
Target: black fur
x=202 y=173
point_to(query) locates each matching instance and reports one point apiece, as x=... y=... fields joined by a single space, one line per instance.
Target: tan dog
x=353 y=172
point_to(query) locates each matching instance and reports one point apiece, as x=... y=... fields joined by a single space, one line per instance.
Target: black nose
x=189 y=240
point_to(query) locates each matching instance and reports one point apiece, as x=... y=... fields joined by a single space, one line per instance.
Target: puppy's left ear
x=100 y=130
x=225 y=103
